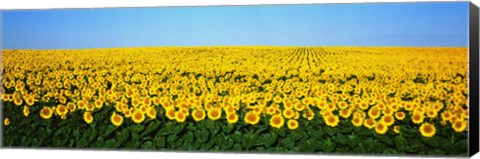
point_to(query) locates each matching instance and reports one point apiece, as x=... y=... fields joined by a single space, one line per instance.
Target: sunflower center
x=180 y=115
x=428 y=129
x=138 y=116
x=276 y=120
x=231 y=117
x=116 y=119
x=198 y=114
x=45 y=111
x=388 y=119
x=171 y=112
x=458 y=125
x=251 y=117
x=356 y=120
x=214 y=113
x=331 y=119
x=416 y=117
x=293 y=124
x=380 y=126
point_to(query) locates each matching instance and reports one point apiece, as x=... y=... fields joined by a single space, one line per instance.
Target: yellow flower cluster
x=372 y=87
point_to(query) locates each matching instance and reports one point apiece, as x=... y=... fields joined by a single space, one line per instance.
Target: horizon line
x=199 y=46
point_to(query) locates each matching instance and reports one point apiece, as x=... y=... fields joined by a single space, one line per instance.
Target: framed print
x=395 y=79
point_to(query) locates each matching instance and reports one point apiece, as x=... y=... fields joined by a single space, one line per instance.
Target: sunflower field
x=355 y=100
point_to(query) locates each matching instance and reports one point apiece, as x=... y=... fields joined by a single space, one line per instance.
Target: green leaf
x=340 y=139
x=400 y=143
x=330 y=130
x=228 y=128
x=147 y=145
x=159 y=141
x=202 y=135
x=384 y=138
x=328 y=146
x=269 y=139
x=353 y=141
x=189 y=137
x=137 y=128
x=219 y=139
x=228 y=144
x=110 y=129
x=111 y=143
x=153 y=125
x=208 y=145
x=364 y=132
x=307 y=146
x=249 y=140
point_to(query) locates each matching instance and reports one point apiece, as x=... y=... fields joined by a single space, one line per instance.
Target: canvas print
x=365 y=78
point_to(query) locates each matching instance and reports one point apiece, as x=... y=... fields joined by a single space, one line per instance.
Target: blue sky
x=367 y=24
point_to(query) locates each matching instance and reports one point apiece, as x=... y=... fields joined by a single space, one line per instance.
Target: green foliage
x=219 y=136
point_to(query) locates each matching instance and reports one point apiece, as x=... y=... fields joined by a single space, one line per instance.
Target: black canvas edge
x=473 y=80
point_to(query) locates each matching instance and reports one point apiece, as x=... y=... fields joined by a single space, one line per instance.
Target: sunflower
x=6 y=121
x=98 y=103
x=138 y=117
x=357 y=121
x=396 y=129
x=299 y=106
x=62 y=99
x=331 y=120
x=61 y=110
x=431 y=113
x=374 y=113
x=30 y=101
x=26 y=111
x=427 y=130
x=198 y=115
x=89 y=107
x=147 y=101
x=135 y=102
x=152 y=113
x=127 y=113
x=331 y=107
x=116 y=119
x=400 y=115
x=180 y=117
x=277 y=121
x=71 y=107
x=388 y=120
x=381 y=128
x=277 y=99
x=46 y=113
x=156 y=101
x=363 y=105
x=387 y=111
x=288 y=113
x=119 y=107
x=81 y=104
x=308 y=114
x=170 y=113
x=417 y=118
x=369 y=123
x=345 y=113
x=459 y=125
x=447 y=115
x=214 y=114
x=87 y=117
x=229 y=109
x=18 y=101
x=251 y=118
x=443 y=122
x=232 y=118
x=292 y=124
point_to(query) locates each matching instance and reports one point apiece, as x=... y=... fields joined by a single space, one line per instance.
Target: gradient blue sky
x=368 y=24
